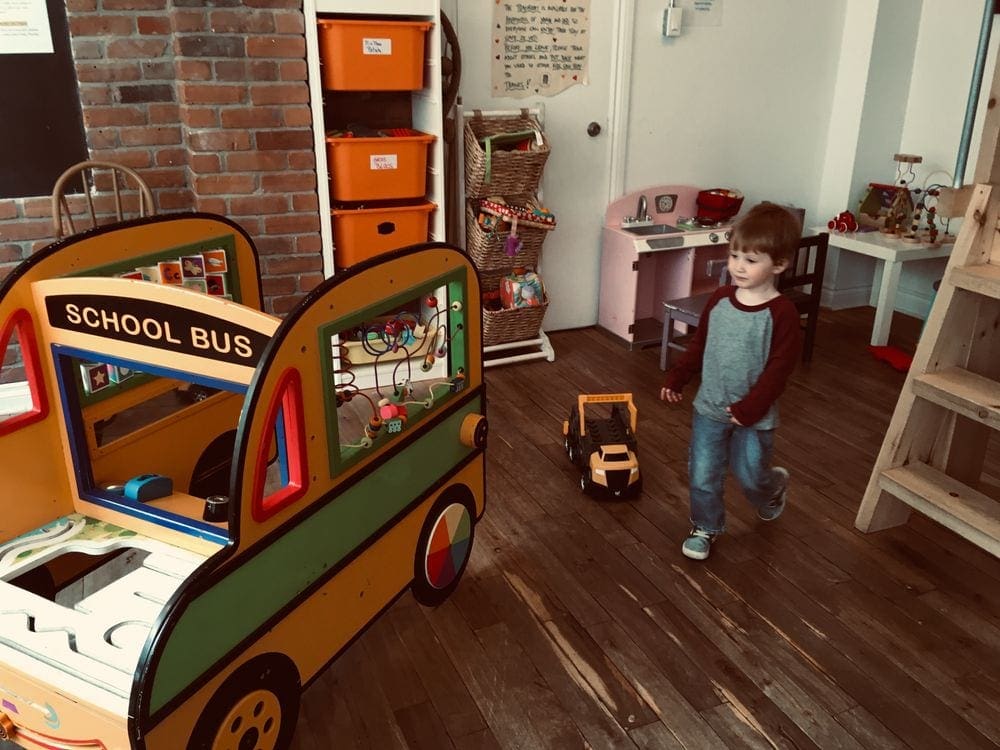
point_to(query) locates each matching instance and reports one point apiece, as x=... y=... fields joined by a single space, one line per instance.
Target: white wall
x=742 y=105
x=801 y=103
x=870 y=103
x=939 y=89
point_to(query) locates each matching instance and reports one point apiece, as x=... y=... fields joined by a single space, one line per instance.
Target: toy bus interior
x=392 y=363
x=128 y=421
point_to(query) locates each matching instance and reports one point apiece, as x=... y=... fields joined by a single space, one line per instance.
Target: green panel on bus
x=220 y=618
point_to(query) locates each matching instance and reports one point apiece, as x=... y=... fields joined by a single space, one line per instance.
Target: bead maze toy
x=200 y=544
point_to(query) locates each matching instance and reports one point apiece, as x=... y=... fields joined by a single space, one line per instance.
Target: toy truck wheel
x=586 y=485
x=444 y=546
x=636 y=489
x=256 y=707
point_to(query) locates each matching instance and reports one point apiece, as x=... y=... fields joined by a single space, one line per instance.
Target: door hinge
x=635 y=265
x=631 y=327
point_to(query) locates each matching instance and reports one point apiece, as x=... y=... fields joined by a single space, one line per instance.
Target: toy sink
x=652 y=229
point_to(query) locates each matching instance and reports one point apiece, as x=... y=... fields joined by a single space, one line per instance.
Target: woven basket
x=510 y=172
x=486 y=248
x=517 y=324
x=490 y=278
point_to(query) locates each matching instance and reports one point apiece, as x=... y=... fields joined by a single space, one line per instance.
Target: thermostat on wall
x=665 y=203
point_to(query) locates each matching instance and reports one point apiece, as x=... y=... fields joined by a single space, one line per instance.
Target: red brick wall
x=208 y=101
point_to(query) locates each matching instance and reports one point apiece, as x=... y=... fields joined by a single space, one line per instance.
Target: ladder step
x=964 y=392
x=969 y=513
x=982 y=279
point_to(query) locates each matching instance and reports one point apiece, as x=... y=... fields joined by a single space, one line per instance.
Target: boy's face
x=753 y=271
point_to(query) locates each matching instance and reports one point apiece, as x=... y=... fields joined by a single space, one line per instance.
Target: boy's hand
x=668 y=395
x=733 y=419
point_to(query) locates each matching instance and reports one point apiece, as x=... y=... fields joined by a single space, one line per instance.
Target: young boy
x=746 y=347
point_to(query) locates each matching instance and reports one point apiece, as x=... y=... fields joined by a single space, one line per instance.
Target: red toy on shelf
x=845 y=221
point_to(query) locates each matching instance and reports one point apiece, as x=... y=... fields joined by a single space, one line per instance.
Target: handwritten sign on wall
x=539 y=48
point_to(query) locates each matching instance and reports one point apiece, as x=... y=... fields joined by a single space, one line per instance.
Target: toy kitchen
x=658 y=244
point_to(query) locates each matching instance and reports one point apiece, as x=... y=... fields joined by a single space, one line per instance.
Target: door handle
x=594 y=129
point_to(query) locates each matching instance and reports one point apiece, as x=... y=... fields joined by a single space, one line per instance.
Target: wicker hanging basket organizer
x=504 y=155
x=516 y=324
x=512 y=237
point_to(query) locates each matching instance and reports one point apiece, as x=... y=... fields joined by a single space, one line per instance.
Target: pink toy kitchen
x=658 y=244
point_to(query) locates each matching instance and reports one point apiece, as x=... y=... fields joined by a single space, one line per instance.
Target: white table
x=893 y=252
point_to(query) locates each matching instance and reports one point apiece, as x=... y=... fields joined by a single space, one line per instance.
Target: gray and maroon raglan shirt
x=745 y=354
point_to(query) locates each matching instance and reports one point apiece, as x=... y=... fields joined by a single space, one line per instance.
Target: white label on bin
x=375 y=46
x=383 y=161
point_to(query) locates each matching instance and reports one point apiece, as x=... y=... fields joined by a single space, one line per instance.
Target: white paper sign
x=24 y=27
x=539 y=48
x=383 y=161
x=376 y=46
x=701 y=12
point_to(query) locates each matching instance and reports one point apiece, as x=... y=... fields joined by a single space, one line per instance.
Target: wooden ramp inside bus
x=932 y=458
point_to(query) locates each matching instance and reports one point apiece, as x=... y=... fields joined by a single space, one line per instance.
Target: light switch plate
x=665 y=203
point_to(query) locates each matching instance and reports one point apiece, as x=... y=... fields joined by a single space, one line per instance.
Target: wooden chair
x=129 y=191
x=802 y=283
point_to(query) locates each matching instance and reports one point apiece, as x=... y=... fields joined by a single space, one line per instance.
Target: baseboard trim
x=907 y=302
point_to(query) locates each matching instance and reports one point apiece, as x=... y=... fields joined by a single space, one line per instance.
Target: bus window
x=130 y=419
x=20 y=375
x=280 y=476
x=391 y=365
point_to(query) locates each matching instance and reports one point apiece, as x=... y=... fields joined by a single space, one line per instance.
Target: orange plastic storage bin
x=360 y=233
x=372 y=55
x=366 y=169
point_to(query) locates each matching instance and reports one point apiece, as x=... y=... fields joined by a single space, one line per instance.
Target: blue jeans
x=746 y=450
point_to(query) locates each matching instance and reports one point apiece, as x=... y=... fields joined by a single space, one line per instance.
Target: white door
x=576 y=178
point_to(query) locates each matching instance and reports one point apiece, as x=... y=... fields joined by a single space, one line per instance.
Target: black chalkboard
x=41 y=128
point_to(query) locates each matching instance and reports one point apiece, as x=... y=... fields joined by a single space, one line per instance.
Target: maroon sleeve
x=690 y=363
x=786 y=347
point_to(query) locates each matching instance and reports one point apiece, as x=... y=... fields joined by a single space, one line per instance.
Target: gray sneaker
x=776 y=506
x=698 y=544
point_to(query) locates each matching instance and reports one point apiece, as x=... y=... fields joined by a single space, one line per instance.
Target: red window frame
x=287 y=400
x=21 y=320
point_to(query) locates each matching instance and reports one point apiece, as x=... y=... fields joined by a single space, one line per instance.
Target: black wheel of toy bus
x=444 y=546
x=256 y=708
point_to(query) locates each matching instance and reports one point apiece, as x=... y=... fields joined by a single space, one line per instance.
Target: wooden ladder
x=932 y=458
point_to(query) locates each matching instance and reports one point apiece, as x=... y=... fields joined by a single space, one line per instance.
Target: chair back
x=112 y=195
x=806 y=270
x=802 y=283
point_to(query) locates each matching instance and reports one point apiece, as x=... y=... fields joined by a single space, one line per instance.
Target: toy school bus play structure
x=203 y=504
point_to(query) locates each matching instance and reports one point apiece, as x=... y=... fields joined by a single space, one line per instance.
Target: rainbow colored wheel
x=443 y=551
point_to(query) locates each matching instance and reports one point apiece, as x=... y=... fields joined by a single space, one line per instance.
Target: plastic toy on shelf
x=845 y=221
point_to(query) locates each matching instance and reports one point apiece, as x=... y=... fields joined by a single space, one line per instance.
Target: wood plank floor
x=580 y=625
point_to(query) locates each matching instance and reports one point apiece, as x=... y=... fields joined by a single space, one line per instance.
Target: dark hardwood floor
x=580 y=625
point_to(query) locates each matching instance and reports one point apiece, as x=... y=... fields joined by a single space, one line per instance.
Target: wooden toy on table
x=246 y=555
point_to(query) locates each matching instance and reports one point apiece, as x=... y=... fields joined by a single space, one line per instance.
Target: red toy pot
x=718 y=204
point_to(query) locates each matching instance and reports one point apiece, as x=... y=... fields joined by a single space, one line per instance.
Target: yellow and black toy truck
x=603 y=447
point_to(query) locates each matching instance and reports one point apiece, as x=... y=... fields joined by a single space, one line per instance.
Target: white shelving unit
x=427 y=103
x=512 y=351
